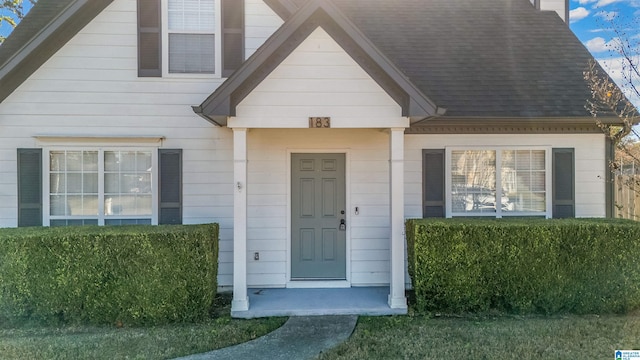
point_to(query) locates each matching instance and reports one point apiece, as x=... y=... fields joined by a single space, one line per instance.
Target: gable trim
x=38 y=49
x=222 y=102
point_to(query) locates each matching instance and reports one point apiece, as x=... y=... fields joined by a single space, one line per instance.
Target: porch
x=372 y=301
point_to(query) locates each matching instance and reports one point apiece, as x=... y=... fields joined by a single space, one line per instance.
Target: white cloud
x=584 y=2
x=578 y=14
x=607 y=15
x=599 y=45
x=614 y=67
x=602 y=3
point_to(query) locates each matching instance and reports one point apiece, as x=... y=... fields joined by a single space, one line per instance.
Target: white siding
x=90 y=87
x=268 y=190
x=589 y=158
x=318 y=79
x=260 y=23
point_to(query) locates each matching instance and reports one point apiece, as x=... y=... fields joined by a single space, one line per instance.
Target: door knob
x=343 y=226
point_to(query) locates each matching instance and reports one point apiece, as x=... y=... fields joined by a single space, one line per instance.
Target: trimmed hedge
x=525 y=266
x=130 y=275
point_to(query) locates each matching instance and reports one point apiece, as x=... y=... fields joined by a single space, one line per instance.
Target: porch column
x=240 y=299
x=397 y=299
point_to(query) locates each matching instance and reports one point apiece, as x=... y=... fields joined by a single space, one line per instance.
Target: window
x=498 y=182
x=100 y=187
x=191 y=32
x=190 y=37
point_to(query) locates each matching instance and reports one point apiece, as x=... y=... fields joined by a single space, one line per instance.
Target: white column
x=397 y=299
x=240 y=299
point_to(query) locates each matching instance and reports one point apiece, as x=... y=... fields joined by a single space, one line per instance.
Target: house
x=308 y=129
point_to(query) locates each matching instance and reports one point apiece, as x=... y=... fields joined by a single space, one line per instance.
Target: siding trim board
x=508 y=126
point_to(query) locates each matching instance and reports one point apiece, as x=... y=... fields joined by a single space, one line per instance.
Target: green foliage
x=525 y=266
x=128 y=275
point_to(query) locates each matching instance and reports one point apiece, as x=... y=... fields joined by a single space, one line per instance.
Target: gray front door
x=318 y=241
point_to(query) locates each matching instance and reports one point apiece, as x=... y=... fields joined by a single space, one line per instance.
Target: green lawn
x=33 y=341
x=397 y=337
x=503 y=337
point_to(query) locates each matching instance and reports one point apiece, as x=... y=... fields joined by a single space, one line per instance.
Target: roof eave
x=47 y=42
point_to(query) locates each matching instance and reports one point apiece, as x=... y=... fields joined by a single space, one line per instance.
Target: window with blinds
x=498 y=182
x=191 y=28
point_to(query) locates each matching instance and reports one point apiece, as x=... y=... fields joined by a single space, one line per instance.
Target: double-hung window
x=191 y=29
x=498 y=182
x=101 y=187
x=197 y=37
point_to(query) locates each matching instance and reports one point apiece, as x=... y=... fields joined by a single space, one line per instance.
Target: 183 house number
x=319 y=122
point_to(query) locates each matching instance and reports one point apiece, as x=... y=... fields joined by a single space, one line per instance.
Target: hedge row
x=525 y=266
x=132 y=275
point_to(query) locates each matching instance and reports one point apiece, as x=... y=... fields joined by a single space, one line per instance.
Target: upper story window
x=190 y=37
x=191 y=33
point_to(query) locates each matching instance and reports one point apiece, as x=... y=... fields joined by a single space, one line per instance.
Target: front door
x=318 y=220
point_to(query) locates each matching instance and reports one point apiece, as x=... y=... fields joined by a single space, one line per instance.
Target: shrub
x=103 y=275
x=525 y=266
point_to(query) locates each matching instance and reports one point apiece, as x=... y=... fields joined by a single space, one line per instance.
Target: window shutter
x=232 y=35
x=149 y=39
x=563 y=183
x=29 y=187
x=170 y=184
x=433 y=183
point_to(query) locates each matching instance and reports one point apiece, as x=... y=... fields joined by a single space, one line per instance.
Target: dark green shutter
x=232 y=35
x=149 y=39
x=433 y=198
x=29 y=187
x=170 y=183
x=609 y=184
x=564 y=204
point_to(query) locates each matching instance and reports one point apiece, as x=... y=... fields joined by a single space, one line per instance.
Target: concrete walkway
x=299 y=338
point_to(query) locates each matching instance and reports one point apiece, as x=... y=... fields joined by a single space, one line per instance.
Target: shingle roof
x=499 y=58
x=485 y=58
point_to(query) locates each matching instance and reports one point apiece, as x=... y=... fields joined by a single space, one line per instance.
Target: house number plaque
x=319 y=122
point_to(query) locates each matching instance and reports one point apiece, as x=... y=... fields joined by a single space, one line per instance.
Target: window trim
x=217 y=74
x=46 y=201
x=548 y=213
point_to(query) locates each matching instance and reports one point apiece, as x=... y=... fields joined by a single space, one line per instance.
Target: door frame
x=347 y=183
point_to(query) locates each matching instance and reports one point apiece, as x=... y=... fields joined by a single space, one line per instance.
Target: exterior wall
x=268 y=200
x=589 y=162
x=90 y=87
x=318 y=79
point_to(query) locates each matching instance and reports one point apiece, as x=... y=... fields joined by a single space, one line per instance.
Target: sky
x=593 y=22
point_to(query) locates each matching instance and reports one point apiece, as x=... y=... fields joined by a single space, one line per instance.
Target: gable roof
x=45 y=29
x=489 y=58
x=313 y=14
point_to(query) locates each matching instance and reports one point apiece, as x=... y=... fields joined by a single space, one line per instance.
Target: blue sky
x=593 y=21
